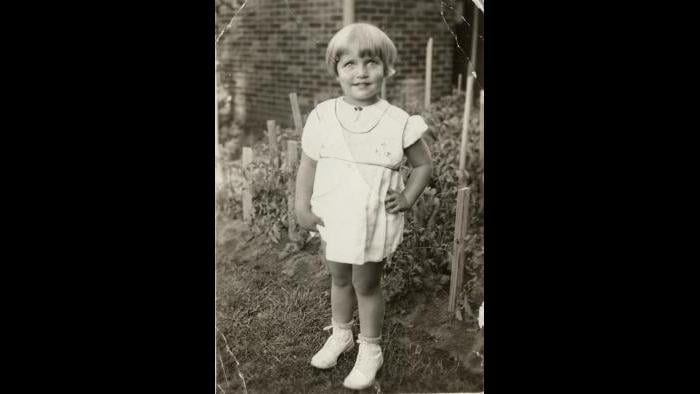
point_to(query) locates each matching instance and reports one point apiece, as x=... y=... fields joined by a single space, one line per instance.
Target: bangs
x=358 y=40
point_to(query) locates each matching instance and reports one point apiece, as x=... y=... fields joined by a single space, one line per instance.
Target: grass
x=270 y=316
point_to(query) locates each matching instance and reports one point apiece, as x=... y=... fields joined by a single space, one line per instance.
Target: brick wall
x=410 y=23
x=275 y=47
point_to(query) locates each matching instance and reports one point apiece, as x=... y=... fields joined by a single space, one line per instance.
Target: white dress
x=358 y=154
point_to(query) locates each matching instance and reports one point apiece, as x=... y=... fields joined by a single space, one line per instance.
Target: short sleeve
x=311 y=136
x=414 y=130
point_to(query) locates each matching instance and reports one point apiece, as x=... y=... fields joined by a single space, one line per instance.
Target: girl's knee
x=341 y=274
x=341 y=280
x=365 y=285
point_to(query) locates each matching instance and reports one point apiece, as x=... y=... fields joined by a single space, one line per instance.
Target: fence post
x=272 y=142
x=458 y=254
x=459 y=82
x=428 y=71
x=292 y=161
x=246 y=160
x=296 y=113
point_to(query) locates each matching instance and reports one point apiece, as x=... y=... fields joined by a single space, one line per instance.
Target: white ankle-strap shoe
x=369 y=361
x=339 y=342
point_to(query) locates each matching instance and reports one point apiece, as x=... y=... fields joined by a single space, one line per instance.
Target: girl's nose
x=362 y=71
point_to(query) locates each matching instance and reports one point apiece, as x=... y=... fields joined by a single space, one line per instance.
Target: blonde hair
x=368 y=40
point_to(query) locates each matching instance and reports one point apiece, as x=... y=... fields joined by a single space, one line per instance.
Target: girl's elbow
x=425 y=171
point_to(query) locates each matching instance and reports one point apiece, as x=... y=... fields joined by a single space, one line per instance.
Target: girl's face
x=360 y=78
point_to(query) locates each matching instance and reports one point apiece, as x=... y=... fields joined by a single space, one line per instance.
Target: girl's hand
x=396 y=202
x=308 y=220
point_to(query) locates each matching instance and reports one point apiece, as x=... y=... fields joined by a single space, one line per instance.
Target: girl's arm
x=304 y=190
x=418 y=156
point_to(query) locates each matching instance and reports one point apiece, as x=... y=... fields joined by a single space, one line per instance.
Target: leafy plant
x=423 y=261
x=269 y=179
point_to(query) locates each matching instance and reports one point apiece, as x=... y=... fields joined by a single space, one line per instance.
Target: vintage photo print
x=349 y=196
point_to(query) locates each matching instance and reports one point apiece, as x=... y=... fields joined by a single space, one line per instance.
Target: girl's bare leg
x=342 y=297
x=366 y=280
x=342 y=303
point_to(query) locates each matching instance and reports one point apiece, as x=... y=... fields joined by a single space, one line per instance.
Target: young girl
x=349 y=189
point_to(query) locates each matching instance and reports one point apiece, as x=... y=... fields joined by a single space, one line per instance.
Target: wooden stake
x=296 y=113
x=246 y=160
x=292 y=154
x=475 y=42
x=481 y=149
x=292 y=160
x=218 y=175
x=481 y=127
x=272 y=142
x=468 y=97
x=428 y=71
x=348 y=12
x=459 y=82
x=458 y=254
x=464 y=147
